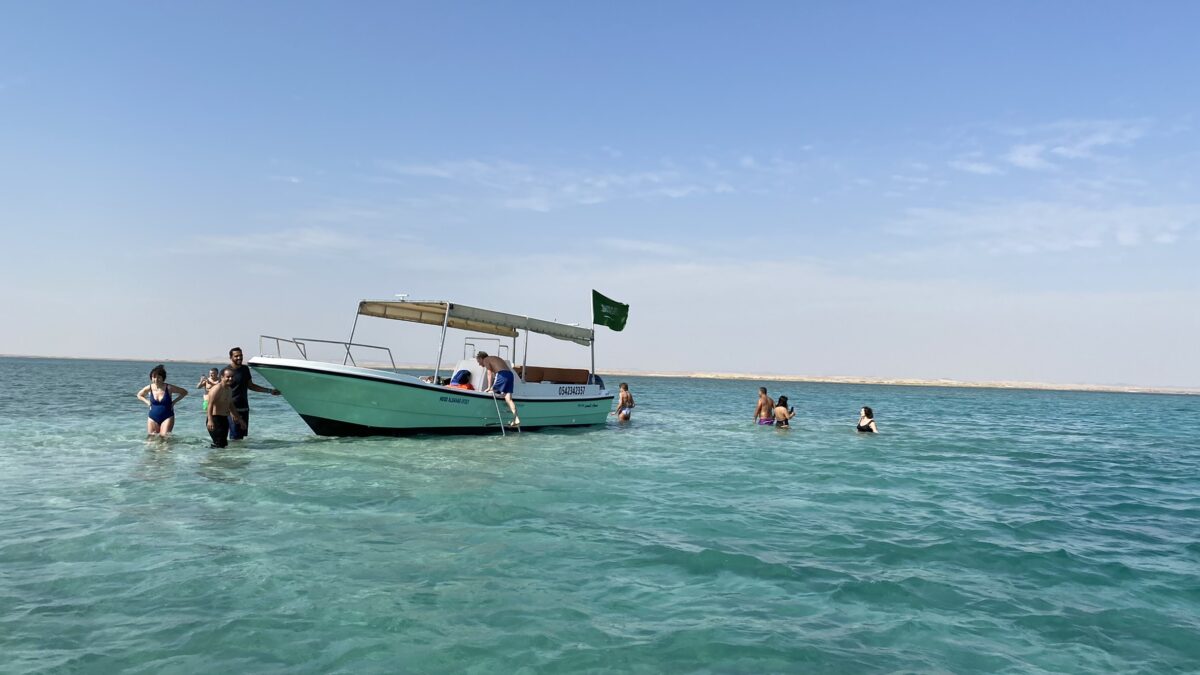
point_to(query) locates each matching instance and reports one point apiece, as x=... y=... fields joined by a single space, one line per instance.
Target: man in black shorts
x=241 y=384
x=220 y=414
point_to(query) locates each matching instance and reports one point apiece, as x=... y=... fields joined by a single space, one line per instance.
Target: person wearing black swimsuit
x=783 y=412
x=866 y=421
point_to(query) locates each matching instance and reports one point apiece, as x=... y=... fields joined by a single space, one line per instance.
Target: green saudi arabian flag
x=608 y=312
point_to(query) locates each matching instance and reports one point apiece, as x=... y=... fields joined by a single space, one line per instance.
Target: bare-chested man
x=500 y=380
x=624 y=403
x=220 y=410
x=764 y=412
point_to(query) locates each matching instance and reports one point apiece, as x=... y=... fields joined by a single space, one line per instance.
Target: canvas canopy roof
x=472 y=319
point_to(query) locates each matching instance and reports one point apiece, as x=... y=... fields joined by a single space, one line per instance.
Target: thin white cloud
x=645 y=247
x=303 y=240
x=1072 y=140
x=513 y=185
x=1055 y=146
x=1029 y=156
x=539 y=204
x=911 y=180
x=975 y=167
x=678 y=192
x=341 y=214
x=1041 y=227
x=1080 y=139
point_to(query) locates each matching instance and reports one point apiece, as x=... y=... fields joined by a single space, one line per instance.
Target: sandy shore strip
x=908 y=382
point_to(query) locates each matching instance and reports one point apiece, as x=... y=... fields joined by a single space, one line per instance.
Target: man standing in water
x=221 y=413
x=499 y=381
x=624 y=403
x=764 y=412
x=241 y=399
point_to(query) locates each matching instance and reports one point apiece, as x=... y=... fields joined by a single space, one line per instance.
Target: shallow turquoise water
x=982 y=531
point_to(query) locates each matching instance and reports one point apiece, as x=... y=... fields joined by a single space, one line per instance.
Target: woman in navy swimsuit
x=157 y=395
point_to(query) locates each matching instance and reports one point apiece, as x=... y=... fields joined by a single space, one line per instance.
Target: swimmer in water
x=783 y=412
x=866 y=421
x=764 y=412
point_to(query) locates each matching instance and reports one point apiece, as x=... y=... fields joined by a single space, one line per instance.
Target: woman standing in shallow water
x=866 y=421
x=162 y=407
x=783 y=412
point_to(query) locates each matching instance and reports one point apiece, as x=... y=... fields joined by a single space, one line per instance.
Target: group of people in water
x=226 y=400
x=779 y=413
x=227 y=403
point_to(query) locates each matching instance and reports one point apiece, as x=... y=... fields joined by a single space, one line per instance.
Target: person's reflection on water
x=158 y=462
x=224 y=464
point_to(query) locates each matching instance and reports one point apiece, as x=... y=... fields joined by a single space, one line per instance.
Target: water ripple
x=982 y=531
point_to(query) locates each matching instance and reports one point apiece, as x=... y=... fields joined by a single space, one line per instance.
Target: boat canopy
x=474 y=319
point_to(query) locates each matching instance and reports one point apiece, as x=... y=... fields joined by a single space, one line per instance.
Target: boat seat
x=553 y=375
x=531 y=374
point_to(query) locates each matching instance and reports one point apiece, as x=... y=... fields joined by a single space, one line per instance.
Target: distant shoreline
x=911 y=382
x=883 y=381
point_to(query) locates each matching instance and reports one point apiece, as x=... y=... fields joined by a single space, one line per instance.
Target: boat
x=348 y=399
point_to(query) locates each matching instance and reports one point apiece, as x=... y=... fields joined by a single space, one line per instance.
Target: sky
x=934 y=190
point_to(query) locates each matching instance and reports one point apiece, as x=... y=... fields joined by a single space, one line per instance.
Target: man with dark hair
x=239 y=386
x=221 y=415
x=764 y=412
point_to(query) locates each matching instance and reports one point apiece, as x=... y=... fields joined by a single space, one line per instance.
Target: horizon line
x=702 y=375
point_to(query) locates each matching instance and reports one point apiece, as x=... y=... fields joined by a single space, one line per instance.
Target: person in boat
x=764 y=412
x=222 y=413
x=461 y=380
x=783 y=412
x=241 y=385
x=161 y=418
x=500 y=380
x=624 y=403
x=866 y=421
x=212 y=379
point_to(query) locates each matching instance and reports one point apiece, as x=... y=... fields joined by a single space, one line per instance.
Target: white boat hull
x=339 y=400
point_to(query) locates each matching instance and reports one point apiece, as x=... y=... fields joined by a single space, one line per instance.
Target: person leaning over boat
x=461 y=380
x=241 y=383
x=500 y=380
x=221 y=413
x=764 y=412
